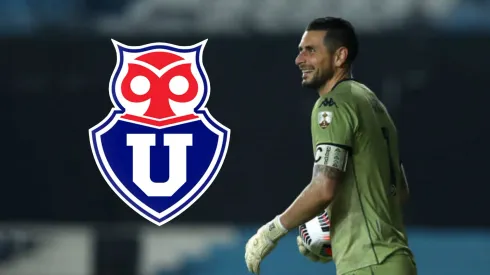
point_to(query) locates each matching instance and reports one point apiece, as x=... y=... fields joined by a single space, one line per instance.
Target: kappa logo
x=159 y=149
x=328 y=102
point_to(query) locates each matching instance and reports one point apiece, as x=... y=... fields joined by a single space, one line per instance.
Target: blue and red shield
x=159 y=148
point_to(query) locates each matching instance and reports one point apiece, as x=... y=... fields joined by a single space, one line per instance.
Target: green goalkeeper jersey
x=352 y=131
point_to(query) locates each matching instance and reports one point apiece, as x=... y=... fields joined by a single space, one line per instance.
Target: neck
x=337 y=77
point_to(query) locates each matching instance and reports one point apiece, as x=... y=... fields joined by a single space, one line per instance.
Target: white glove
x=262 y=243
x=310 y=255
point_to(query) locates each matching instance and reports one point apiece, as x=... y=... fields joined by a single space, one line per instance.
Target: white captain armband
x=332 y=155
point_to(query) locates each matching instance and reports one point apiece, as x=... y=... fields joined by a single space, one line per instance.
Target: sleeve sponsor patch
x=332 y=155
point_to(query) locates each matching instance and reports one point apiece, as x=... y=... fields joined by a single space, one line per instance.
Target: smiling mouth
x=306 y=73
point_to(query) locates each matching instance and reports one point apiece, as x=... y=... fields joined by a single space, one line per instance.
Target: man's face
x=314 y=60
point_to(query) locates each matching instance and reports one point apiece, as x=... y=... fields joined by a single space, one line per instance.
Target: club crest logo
x=159 y=149
x=324 y=119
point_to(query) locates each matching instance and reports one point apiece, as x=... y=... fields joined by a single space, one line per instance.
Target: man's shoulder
x=347 y=93
x=352 y=89
x=353 y=93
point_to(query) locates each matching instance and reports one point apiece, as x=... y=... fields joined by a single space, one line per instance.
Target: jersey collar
x=343 y=80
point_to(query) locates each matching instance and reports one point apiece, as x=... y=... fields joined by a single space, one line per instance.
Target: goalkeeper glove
x=262 y=243
x=310 y=255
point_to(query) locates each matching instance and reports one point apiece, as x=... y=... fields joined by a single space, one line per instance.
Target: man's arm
x=333 y=141
x=314 y=198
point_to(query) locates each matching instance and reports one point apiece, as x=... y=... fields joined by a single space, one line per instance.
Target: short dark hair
x=340 y=33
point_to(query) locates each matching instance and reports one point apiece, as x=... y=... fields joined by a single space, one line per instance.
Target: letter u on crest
x=177 y=144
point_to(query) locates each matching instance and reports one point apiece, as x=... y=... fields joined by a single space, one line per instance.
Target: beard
x=318 y=80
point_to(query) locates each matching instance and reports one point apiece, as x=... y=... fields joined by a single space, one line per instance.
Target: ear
x=341 y=56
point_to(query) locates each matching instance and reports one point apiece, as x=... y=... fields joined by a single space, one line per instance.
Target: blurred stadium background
x=427 y=60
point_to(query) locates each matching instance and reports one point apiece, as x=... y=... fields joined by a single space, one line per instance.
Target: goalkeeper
x=357 y=173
